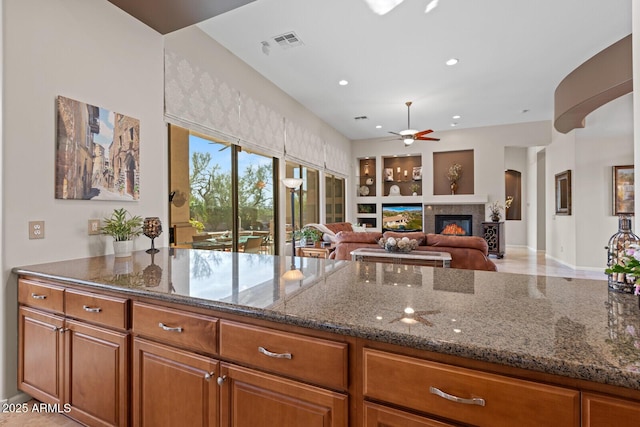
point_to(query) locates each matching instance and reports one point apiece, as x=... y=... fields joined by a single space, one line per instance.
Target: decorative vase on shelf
x=616 y=250
x=495 y=218
x=454 y=187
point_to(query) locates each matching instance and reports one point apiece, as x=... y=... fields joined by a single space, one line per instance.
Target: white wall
x=516 y=230
x=590 y=153
x=91 y=51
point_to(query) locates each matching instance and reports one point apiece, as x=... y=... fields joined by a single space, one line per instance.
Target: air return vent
x=288 y=40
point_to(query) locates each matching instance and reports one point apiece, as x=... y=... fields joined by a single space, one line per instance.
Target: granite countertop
x=569 y=327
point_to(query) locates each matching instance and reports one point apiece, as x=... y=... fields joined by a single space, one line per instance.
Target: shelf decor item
x=402 y=245
x=496 y=207
x=152 y=228
x=123 y=227
x=453 y=175
x=623 y=258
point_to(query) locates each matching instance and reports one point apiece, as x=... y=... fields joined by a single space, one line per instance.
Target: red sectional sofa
x=467 y=252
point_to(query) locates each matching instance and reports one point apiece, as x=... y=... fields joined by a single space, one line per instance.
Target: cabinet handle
x=221 y=380
x=473 y=401
x=276 y=355
x=63 y=330
x=208 y=375
x=36 y=296
x=91 y=309
x=170 y=329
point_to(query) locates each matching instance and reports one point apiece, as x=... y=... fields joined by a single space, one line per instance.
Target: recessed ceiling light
x=455 y=117
x=452 y=61
x=343 y=82
x=378 y=126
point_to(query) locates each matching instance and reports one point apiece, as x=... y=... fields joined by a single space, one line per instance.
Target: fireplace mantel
x=457 y=199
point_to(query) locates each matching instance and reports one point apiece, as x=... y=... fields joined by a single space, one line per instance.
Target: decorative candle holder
x=152 y=228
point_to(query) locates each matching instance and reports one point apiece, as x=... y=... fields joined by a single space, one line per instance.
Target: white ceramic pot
x=122 y=248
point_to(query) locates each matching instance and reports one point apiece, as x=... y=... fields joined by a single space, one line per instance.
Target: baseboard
x=17 y=399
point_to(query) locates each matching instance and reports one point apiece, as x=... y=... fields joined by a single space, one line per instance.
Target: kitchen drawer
x=310 y=359
x=177 y=327
x=101 y=309
x=414 y=383
x=41 y=295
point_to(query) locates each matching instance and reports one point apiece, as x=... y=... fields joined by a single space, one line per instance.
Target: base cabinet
x=40 y=355
x=173 y=387
x=604 y=411
x=97 y=374
x=381 y=416
x=252 y=398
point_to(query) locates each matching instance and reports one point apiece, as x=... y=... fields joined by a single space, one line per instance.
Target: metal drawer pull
x=36 y=296
x=276 y=355
x=170 y=329
x=208 y=375
x=473 y=401
x=91 y=309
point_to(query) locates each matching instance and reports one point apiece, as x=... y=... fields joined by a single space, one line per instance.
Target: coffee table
x=429 y=258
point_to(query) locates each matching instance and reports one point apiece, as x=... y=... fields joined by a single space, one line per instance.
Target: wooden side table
x=313 y=252
x=493 y=233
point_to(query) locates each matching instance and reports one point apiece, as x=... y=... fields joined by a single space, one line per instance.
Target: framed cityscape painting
x=623 y=190
x=97 y=153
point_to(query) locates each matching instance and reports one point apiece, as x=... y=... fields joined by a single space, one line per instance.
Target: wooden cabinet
x=40 y=355
x=604 y=411
x=493 y=233
x=81 y=366
x=381 y=416
x=464 y=395
x=313 y=252
x=173 y=387
x=97 y=374
x=251 y=398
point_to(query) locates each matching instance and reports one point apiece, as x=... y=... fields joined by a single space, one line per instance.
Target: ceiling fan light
x=408 y=140
x=408 y=132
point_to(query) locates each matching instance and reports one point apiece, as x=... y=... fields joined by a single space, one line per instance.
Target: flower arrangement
x=398 y=245
x=496 y=207
x=455 y=172
x=629 y=265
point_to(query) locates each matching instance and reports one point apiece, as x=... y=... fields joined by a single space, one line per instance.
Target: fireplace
x=461 y=225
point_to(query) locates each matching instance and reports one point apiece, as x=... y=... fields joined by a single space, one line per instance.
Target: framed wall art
x=623 y=190
x=97 y=153
x=563 y=193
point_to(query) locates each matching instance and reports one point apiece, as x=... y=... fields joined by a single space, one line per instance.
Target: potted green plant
x=308 y=236
x=123 y=227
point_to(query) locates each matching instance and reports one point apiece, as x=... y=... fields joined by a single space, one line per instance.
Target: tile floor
x=516 y=260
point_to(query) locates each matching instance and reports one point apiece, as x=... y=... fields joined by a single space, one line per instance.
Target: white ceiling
x=513 y=54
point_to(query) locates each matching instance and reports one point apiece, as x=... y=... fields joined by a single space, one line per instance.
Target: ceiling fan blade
x=424 y=132
x=426 y=138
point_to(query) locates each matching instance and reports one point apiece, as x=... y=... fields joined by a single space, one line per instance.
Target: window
x=307 y=198
x=221 y=195
x=334 y=199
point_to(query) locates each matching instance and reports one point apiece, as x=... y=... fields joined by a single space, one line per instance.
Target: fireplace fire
x=459 y=225
x=453 y=229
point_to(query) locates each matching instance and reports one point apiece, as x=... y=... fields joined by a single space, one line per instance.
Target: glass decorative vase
x=616 y=249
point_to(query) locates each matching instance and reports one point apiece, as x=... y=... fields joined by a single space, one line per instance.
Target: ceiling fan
x=409 y=135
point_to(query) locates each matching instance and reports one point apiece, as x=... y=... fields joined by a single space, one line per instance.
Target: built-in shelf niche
x=442 y=161
x=367 y=180
x=404 y=172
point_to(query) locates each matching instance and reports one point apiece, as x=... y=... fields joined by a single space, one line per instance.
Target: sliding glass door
x=229 y=194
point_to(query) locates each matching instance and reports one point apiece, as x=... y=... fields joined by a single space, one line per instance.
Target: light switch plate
x=94 y=227
x=36 y=229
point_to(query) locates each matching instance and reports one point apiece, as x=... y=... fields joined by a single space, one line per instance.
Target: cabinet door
x=173 y=387
x=40 y=353
x=605 y=411
x=381 y=416
x=96 y=380
x=250 y=398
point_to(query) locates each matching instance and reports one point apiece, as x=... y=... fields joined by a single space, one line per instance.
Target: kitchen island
x=570 y=335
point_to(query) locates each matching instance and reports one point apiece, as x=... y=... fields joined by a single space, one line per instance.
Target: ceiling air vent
x=288 y=40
